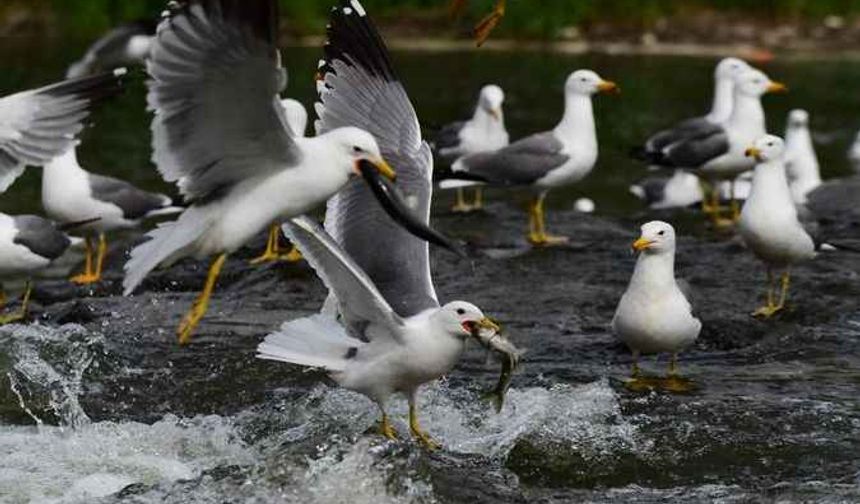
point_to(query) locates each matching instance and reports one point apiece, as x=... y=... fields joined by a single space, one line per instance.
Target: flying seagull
x=221 y=134
x=485 y=131
x=39 y=124
x=72 y=194
x=543 y=161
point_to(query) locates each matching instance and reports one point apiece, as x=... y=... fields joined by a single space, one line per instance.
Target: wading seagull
x=297 y=119
x=769 y=225
x=220 y=132
x=801 y=162
x=39 y=124
x=717 y=153
x=485 y=131
x=72 y=194
x=28 y=244
x=382 y=330
x=127 y=44
x=543 y=161
x=653 y=315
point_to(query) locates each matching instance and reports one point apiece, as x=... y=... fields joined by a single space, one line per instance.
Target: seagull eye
x=357 y=149
x=662 y=232
x=461 y=311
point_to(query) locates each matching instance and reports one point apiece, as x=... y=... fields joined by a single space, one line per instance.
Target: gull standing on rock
x=769 y=225
x=220 y=133
x=653 y=315
x=801 y=162
x=485 y=131
x=382 y=329
x=547 y=160
x=717 y=153
x=72 y=194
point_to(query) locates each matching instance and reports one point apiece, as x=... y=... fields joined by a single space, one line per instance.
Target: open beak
x=754 y=153
x=641 y=244
x=777 y=87
x=608 y=87
x=396 y=207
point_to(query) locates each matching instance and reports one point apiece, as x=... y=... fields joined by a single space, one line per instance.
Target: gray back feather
x=41 y=236
x=695 y=151
x=685 y=129
x=135 y=203
x=520 y=163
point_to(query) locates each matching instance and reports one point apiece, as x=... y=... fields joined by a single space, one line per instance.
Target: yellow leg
x=674 y=382
x=716 y=215
x=486 y=25
x=707 y=197
x=460 y=205
x=100 y=258
x=538 y=235
x=294 y=255
x=479 y=199
x=22 y=311
x=422 y=437
x=386 y=429
x=637 y=382
x=271 y=253
x=771 y=308
x=86 y=276
x=198 y=309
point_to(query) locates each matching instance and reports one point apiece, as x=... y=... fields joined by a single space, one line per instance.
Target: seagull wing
x=695 y=151
x=359 y=88
x=522 y=162
x=40 y=124
x=684 y=129
x=360 y=303
x=216 y=75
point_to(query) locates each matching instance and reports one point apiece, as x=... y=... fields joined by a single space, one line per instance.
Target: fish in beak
x=754 y=153
x=395 y=206
x=641 y=244
x=608 y=87
x=777 y=87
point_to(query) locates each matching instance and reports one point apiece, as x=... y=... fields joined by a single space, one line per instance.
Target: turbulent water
x=98 y=404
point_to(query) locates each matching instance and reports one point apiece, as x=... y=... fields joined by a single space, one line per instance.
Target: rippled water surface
x=97 y=404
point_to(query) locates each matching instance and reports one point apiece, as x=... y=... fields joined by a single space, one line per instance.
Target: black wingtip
x=352 y=37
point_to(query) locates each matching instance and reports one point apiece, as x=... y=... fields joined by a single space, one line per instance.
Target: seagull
x=72 y=194
x=127 y=44
x=485 y=131
x=653 y=315
x=221 y=134
x=39 y=124
x=717 y=153
x=297 y=118
x=800 y=160
x=769 y=224
x=382 y=329
x=680 y=190
x=483 y=29
x=542 y=161
x=28 y=244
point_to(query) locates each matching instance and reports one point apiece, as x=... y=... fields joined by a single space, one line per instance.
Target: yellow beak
x=752 y=152
x=641 y=244
x=608 y=87
x=496 y=113
x=777 y=87
x=487 y=323
x=385 y=169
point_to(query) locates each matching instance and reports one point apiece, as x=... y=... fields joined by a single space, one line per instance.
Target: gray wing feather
x=41 y=236
x=216 y=76
x=520 y=163
x=360 y=89
x=135 y=203
x=446 y=143
x=40 y=124
x=685 y=129
x=695 y=151
x=110 y=49
x=359 y=301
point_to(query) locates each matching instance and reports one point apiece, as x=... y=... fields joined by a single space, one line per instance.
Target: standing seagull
x=653 y=315
x=37 y=125
x=485 y=131
x=769 y=225
x=127 y=44
x=28 y=244
x=717 y=153
x=556 y=158
x=801 y=162
x=382 y=330
x=72 y=194
x=221 y=134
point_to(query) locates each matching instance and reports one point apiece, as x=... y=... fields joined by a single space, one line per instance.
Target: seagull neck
x=721 y=108
x=654 y=271
x=577 y=124
x=770 y=184
x=747 y=111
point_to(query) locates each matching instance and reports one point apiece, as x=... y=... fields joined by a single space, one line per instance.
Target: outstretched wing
x=360 y=304
x=40 y=124
x=216 y=75
x=358 y=87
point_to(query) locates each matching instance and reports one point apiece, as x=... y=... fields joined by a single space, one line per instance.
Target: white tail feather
x=315 y=341
x=456 y=184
